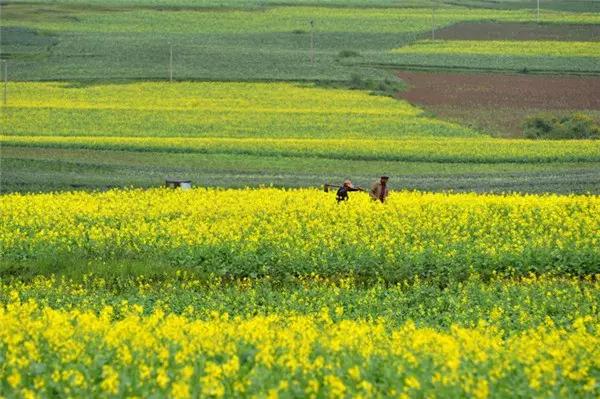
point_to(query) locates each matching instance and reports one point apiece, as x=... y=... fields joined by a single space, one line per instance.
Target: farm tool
x=328 y=186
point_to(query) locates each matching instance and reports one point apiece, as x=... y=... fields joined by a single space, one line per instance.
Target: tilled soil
x=519 y=31
x=499 y=102
x=538 y=91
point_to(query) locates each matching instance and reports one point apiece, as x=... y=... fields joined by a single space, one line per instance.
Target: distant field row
x=522 y=31
x=70 y=42
x=503 y=48
x=486 y=150
x=213 y=109
x=273 y=19
x=521 y=55
x=561 y=5
x=60 y=136
x=33 y=169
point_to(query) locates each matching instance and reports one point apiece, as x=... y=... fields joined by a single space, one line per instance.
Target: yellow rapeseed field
x=479 y=149
x=504 y=48
x=259 y=231
x=384 y=305
x=282 y=293
x=79 y=353
x=214 y=109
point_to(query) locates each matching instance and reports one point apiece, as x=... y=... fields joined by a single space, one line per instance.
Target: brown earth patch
x=498 y=103
x=519 y=31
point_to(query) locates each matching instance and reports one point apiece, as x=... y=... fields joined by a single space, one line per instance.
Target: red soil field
x=519 y=31
x=498 y=103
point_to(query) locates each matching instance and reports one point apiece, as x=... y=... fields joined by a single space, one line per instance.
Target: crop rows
x=280 y=19
x=214 y=110
x=269 y=43
x=459 y=150
x=521 y=56
x=504 y=48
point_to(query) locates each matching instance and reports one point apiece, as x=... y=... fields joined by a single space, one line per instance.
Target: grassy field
x=49 y=169
x=558 y=5
x=521 y=31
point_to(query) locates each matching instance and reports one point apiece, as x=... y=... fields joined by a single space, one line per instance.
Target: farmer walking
x=379 y=190
x=342 y=193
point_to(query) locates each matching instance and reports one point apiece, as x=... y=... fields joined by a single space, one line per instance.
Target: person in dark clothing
x=342 y=193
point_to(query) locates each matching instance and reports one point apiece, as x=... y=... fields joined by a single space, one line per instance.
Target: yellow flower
x=354 y=372
x=14 y=379
x=412 y=382
x=481 y=390
x=162 y=378
x=337 y=389
x=110 y=380
x=28 y=394
x=180 y=390
x=590 y=385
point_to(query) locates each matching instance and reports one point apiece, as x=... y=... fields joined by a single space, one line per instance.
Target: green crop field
x=67 y=41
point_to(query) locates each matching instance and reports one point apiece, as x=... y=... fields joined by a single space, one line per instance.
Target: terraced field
x=100 y=128
x=69 y=42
